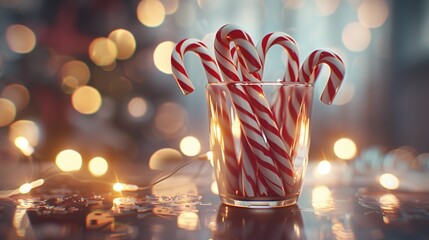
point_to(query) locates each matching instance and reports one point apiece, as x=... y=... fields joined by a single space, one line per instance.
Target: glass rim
x=263 y=82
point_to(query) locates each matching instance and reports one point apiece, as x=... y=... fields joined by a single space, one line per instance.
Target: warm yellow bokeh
x=23 y=144
x=20 y=38
x=25 y=188
x=190 y=146
x=373 y=13
x=103 y=51
x=170 y=119
x=345 y=148
x=151 y=13
x=165 y=159
x=162 y=55
x=7 y=112
x=137 y=107
x=125 y=43
x=170 y=6
x=86 y=100
x=27 y=129
x=389 y=181
x=68 y=160
x=356 y=37
x=327 y=7
x=324 y=167
x=98 y=166
x=18 y=94
x=74 y=74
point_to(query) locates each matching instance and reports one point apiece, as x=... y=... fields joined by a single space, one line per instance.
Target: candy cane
x=312 y=64
x=182 y=78
x=249 y=124
x=289 y=44
x=283 y=105
x=269 y=126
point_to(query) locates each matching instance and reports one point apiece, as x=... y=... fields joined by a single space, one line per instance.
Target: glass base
x=259 y=202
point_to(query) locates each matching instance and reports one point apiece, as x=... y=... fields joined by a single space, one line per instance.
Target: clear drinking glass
x=259 y=137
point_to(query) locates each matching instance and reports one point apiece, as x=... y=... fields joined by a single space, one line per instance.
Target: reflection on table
x=186 y=207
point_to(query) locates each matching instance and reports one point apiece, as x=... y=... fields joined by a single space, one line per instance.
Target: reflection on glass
x=240 y=223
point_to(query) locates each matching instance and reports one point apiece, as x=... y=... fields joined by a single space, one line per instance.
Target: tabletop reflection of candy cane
x=240 y=100
x=180 y=74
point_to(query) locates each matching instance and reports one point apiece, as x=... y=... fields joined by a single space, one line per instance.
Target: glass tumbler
x=260 y=139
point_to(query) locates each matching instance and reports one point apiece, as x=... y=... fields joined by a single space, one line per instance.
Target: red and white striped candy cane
x=241 y=103
x=312 y=64
x=289 y=44
x=269 y=125
x=178 y=66
x=230 y=166
x=282 y=100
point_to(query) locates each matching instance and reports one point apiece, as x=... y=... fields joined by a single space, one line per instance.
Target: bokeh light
x=188 y=221
x=327 y=7
x=165 y=159
x=74 y=74
x=162 y=55
x=68 y=160
x=98 y=166
x=190 y=146
x=294 y=4
x=389 y=181
x=18 y=94
x=324 y=167
x=118 y=187
x=170 y=119
x=151 y=13
x=345 y=148
x=20 y=38
x=125 y=43
x=137 y=107
x=209 y=5
x=25 y=188
x=356 y=37
x=22 y=144
x=373 y=13
x=27 y=129
x=170 y=6
x=103 y=51
x=186 y=14
x=345 y=95
x=7 y=112
x=86 y=100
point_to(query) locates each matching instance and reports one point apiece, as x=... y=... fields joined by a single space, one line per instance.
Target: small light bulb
x=25 y=188
x=22 y=144
x=118 y=187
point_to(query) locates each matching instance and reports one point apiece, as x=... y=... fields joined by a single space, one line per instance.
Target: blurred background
x=95 y=76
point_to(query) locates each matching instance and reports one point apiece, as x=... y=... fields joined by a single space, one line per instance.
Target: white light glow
x=389 y=181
